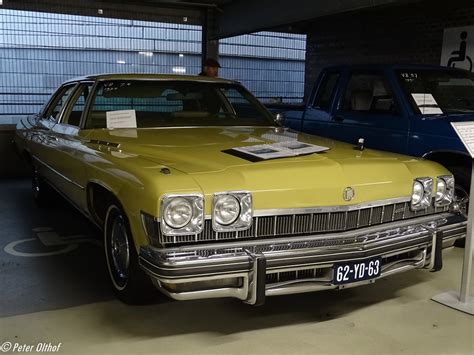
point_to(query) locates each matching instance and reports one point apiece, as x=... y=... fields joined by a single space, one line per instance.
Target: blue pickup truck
x=398 y=108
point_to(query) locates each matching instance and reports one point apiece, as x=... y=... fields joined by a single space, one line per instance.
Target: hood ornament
x=348 y=194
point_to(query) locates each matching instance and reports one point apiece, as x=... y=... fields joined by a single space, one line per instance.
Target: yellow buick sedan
x=201 y=193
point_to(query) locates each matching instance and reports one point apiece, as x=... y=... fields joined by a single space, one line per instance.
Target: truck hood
x=200 y=153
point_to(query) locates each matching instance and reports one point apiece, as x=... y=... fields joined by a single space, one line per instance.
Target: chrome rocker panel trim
x=252 y=261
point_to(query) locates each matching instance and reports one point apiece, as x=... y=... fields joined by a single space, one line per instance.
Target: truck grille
x=306 y=223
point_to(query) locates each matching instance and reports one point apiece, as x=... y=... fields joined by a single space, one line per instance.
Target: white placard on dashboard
x=427 y=104
x=121 y=119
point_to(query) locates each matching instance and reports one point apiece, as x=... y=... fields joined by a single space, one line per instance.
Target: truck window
x=369 y=93
x=326 y=91
x=449 y=91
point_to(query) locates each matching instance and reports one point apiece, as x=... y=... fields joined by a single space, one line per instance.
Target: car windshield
x=178 y=103
x=439 y=91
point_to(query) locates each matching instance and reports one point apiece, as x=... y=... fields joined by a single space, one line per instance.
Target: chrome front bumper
x=251 y=270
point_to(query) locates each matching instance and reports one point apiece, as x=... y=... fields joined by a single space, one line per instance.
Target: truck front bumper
x=252 y=270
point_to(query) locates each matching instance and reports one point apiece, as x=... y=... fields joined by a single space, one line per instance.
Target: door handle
x=338 y=118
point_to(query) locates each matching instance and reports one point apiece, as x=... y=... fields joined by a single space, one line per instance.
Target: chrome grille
x=304 y=274
x=307 y=223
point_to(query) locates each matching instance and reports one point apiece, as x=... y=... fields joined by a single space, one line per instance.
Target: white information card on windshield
x=427 y=104
x=121 y=119
x=465 y=131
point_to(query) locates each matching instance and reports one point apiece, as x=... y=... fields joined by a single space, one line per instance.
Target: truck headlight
x=421 y=193
x=444 y=190
x=182 y=214
x=231 y=211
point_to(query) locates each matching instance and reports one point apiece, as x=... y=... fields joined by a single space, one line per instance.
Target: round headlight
x=440 y=189
x=417 y=194
x=227 y=210
x=178 y=213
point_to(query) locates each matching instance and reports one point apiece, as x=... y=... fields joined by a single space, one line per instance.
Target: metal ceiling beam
x=247 y=16
x=163 y=11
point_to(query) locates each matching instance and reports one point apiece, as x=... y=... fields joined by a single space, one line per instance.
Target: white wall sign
x=458 y=48
x=465 y=131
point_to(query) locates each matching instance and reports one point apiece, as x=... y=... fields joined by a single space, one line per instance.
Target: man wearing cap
x=210 y=68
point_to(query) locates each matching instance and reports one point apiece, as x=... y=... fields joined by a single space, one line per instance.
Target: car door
x=317 y=118
x=42 y=141
x=367 y=108
x=70 y=146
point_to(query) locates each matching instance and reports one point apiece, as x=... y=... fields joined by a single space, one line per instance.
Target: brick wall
x=403 y=34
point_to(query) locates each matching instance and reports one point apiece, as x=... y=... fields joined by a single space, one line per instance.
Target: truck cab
x=406 y=109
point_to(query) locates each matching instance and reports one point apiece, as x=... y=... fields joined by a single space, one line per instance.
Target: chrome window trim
x=72 y=99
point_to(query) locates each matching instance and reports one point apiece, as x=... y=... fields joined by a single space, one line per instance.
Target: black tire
x=128 y=280
x=43 y=194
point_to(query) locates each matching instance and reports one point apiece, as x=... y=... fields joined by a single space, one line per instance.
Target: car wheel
x=129 y=282
x=43 y=194
x=461 y=194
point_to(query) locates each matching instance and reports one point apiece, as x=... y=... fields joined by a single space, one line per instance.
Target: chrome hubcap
x=119 y=250
x=461 y=197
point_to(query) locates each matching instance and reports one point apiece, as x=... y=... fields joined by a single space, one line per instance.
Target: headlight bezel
x=245 y=216
x=195 y=224
x=448 y=196
x=427 y=190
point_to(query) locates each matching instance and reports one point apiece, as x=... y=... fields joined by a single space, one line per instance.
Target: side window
x=368 y=93
x=58 y=102
x=326 y=91
x=241 y=103
x=73 y=115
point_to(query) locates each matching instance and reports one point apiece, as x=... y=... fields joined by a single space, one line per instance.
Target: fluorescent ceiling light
x=146 y=54
x=120 y=61
x=181 y=55
x=179 y=70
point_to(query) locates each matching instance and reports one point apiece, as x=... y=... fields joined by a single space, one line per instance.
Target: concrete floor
x=54 y=290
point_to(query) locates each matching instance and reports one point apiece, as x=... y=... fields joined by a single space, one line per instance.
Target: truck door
x=317 y=117
x=368 y=109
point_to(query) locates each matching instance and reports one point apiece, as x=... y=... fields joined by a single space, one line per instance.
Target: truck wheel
x=129 y=282
x=43 y=194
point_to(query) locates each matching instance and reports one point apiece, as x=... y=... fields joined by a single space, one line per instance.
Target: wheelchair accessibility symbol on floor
x=49 y=238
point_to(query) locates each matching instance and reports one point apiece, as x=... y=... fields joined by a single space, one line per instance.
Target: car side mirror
x=280 y=118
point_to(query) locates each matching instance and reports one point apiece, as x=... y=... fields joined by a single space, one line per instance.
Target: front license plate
x=355 y=271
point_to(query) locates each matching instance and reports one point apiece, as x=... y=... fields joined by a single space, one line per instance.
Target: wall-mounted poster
x=458 y=48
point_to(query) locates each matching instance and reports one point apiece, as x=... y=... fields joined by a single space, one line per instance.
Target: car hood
x=200 y=152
